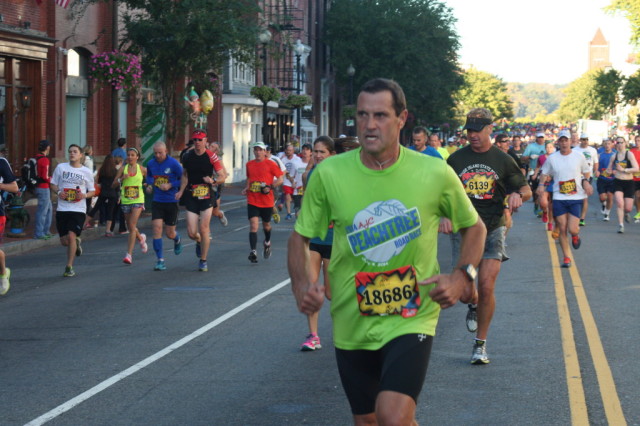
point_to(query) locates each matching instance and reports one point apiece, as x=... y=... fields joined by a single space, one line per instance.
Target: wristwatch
x=470 y=271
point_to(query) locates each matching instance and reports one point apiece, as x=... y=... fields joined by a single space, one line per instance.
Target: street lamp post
x=351 y=71
x=265 y=38
x=299 y=50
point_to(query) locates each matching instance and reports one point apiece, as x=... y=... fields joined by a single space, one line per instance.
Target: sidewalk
x=231 y=199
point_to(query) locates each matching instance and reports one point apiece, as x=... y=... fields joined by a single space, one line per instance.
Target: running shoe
x=202 y=266
x=549 y=226
x=143 y=243
x=627 y=217
x=4 y=282
x=160 y=266
x=606 y=217
x=288 y=216
x=223 y=220
x=127 y=259
x=479 y=353
x=198 y=250
x=581 y=223
x=253 y=256
x=621 y=229
x=637 y=216
x=555 y=234
x=68 y=271
x=108 y=234
x=78 y=246
x=566 y=263
x=636 y=220
x=276 y=218
x=545 y=219
x=311 y=343
x=123 y=232
x=177 y=246
x=603 y=209
x=472 y=318
x=266 y=253
x=576 y=241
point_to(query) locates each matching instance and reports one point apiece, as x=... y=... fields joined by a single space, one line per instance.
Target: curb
x=23 y=246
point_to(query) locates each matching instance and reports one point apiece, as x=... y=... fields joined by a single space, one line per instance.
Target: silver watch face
x=470 y=270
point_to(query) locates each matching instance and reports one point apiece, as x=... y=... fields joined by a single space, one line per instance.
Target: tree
x=483 y=90
x=631 y=89
x=630 y=9
x=187 y=40
x=412 y=42
x=591 y=96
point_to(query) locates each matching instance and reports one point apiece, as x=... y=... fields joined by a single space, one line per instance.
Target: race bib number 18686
x=392 y=292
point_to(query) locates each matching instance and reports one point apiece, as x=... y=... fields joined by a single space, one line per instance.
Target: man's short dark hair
x=380 y=85
x=122 y=142
x=76 y=146
x=307 y=146
x=420 y=129
x=501 y=137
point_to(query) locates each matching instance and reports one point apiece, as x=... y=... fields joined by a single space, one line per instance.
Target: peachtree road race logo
x=382 y=230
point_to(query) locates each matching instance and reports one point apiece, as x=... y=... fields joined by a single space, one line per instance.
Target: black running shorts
x=168 y=212
x=263 y=213
x=399 y=366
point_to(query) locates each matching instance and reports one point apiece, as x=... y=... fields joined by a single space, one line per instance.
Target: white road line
x=241 y=228
x=153 y=358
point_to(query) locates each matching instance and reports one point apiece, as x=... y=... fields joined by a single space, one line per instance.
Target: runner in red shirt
x=263 y=175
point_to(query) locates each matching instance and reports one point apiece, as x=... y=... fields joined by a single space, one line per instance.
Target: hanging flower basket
x=265 y=94
x=116 y=69
x=297 y=101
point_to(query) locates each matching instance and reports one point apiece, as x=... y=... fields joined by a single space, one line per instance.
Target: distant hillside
x=533 y=100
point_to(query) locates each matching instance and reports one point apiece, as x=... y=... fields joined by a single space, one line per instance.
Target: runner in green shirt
x=385 y=202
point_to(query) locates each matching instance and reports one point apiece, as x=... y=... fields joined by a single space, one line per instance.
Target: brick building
x=44 y=89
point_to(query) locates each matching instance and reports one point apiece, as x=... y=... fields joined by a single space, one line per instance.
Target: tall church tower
x=598 y=52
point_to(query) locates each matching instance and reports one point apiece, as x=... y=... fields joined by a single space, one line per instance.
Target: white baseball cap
x=564 y=134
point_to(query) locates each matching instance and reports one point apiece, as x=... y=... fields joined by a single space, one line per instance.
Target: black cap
x=43 y=144
x=477 y=123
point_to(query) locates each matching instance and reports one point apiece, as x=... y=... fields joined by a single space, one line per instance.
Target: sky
x=541 y=41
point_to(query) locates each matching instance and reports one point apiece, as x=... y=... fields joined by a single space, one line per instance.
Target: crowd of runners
x=374 y=212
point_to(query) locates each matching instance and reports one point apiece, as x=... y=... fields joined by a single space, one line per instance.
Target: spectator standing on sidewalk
x=120 y=150
x=44 y=213
x=7 y=183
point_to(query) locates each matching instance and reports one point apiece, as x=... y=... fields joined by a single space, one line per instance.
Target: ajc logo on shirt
x=382 y=230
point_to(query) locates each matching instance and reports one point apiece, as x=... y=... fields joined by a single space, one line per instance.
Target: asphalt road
x=123 y=345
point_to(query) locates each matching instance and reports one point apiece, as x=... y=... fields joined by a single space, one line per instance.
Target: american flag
x=63 y=3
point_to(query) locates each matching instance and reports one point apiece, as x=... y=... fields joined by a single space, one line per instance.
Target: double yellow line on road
x=608 y=391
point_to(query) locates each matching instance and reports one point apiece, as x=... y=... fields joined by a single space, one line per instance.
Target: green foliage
x=187 y=39
x=266 y=94
x=630 y=9
x=608 y=84
x=532 y=100
x=591 y=96
x=348 y=111
x=412 y=42
x=631 y=89
x=483 y=90
x=297 y=101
